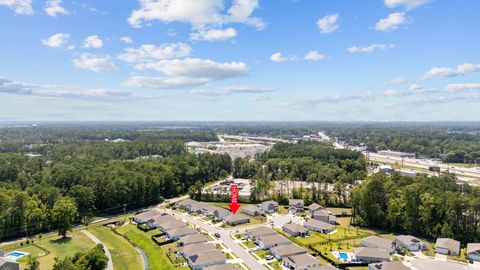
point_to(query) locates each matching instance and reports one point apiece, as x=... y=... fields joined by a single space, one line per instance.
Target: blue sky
x=337 y=60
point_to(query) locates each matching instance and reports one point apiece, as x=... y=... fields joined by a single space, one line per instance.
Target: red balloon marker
x=234 y=198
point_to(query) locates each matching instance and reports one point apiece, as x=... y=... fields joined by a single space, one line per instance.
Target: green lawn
x=124 y=255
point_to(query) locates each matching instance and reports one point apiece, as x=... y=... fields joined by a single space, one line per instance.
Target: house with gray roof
x=251 y=210
x=473 y=251
x=144 y=217
x=325 y=216
x=447 y=246
x=171 y=224
x=253 y=234
x=185 y=204
x=378 y=242
x=192 y=239
x=324 y=267
x=220 y=213
x=280 y=252
x=7 y=264
x=295 y=230
x=176 y=233
x=269 y=241
x=156 y=221
x=295 y=205
x=409 y=242
x=195 y=249
x=205 y=259
x=227 y=266
x=314 y=207
x=319 y=226
x=269 y=206
x=237 y=219
x=387 y=266
x=371 y=255
x=300 y=262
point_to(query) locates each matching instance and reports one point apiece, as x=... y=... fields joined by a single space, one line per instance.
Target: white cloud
x=462 y=69
x=392 y=93
x=56 y=41
x=392 y=22
x=149 y=52
x=329 y=23
x=94 y=63
x=228 y=90
x=214 y=34
x=399 y=80
x=314 y=56
x=408 y=4
x=196 y=13
x=458 y=87
x=370 y=48
x=126 y=40
x=186 y=72
x=416 y=88
x=278 y=57
x=54 y=7
x=93 y=42
x=261 y=98
x=22 y=7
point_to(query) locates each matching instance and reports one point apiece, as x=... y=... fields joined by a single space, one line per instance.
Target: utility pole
x=124 y=212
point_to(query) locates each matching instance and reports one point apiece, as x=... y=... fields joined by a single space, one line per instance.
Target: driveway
x=105 y=248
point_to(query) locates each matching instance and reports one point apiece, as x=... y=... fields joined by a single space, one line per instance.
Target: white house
x=269 y=206
x=269 y=241
x=205 y=259
x=473 y=251
x=319 y=226
x=300 y=262
x=370 y=255
x=447 y=246
x=295 y=205
x=409 y=242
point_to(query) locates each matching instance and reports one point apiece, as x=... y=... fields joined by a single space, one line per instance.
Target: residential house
x=233 y=220
x=172 y=224
x=319 y=226
x=208 y=209
x=251 y=210
x=409 y=242
x=269 y=206
x=300 y=262
x=253 y=234
x=314 y=207
x=195 y=249
x=473 y=251
x=205 y=259
x=295 y=230
x=378 y=242
x=176 y=233
x=295 y=205
x=220 y=213
x=144 y=217
x=227 y=266
x=447 y=246
x=185 y=204
x=156 y=221
x=192 y=239
x=325 y=216
x=269 y=241
x=280 y=252
x=325 y=267
x=7 y=264
x=387 y=266
x=371 y=255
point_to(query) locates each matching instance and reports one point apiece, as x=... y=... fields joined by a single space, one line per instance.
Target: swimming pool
x=343 y=255
x=15 y=255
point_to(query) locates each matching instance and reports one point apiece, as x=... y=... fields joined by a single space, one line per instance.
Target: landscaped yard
x=124 y=255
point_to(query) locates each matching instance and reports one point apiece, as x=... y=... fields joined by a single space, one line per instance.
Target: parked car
x=269 y=257
x=217 y=235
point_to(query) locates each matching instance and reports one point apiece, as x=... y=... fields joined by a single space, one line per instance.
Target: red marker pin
x=234 y=206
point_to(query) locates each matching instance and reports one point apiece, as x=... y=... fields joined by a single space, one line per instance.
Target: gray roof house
x=447 y=246
x=219 y=214
x=185 y=203
x=6 y=264
x=269 y=206
x=295 y=205
x=269 y=241
x=171 y=224
x=237 y=219
x=205 y=259
x=143 y=217
x=192 y=239
x=325 y=216
x=156 y=221
x=371 y=255
x=253 y=234
x=387 y=266
x=195 y=249
x=221 y=267
x=319 y=226
x=473 y=251
x=176 y=233
x=314 y=207
x=295 y=230
x=251 y=210
x=409 y=242
x=300 y=262
x=325 y=267
x=279 y=252
x=378 y=242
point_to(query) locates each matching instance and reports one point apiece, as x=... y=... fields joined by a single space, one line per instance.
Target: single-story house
x=176 y=233
x=156 y=221
x=447 y=246
x=295 y=205
x=205 y=259
x=387 y=266
x=192 y=239
x=473 y=251
x=409 y=242
x=319 y=226
x=144 y=217
x=325 y=267
x=295 y=230
x=169 y=225
x=300 y=262
x=6 y=264
x=196 y=207
x=269 y=206
x=208 y=209
x=280 y=252
x=196 y=249
x=314 y=207
x=269 y=241
x=233 y=220
x=251 y=210
x=253 y=234
x=371 y=255
x=325 y=216
x=378 y=242
x=227 y=266
x=185 y=204
x=219 y=214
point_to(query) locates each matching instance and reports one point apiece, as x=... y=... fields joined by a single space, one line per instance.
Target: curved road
x=105 y=248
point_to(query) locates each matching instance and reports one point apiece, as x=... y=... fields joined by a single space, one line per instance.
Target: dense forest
x=429 y=206
x=99 y=176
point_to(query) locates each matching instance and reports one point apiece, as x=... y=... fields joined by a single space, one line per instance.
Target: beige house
x=301 y=262
x=447 y=246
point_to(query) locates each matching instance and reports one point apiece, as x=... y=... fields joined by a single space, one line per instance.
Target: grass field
x=124 y=255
